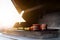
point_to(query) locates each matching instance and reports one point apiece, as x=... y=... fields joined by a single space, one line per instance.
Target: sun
x=9 y=15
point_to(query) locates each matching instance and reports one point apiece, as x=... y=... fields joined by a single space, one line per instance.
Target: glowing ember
x=8 y=14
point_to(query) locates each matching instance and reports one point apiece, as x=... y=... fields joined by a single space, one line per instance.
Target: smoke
x=34 y=8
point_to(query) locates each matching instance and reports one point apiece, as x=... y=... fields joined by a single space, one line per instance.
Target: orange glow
x=9 y=15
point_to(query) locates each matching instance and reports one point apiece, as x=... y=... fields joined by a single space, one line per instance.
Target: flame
x=9 y=15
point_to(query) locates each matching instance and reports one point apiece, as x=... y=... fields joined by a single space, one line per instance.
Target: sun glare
x=9 y=15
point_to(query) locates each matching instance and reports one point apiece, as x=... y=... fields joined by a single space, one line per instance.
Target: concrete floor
x=30 y=35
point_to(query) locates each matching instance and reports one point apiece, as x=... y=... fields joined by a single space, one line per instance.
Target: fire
x=9 y=15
